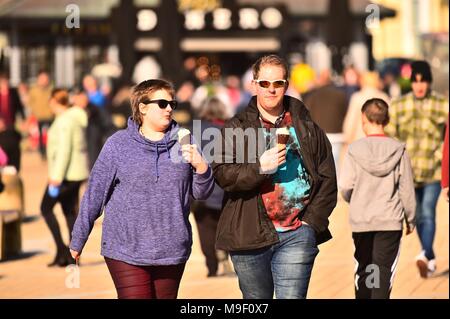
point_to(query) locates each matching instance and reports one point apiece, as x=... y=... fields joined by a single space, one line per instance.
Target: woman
x=145 y=192
x=67 y=169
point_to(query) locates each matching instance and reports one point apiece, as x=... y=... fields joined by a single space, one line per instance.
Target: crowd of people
x=384 y=154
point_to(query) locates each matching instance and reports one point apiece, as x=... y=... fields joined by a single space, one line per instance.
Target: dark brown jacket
x=244 y=224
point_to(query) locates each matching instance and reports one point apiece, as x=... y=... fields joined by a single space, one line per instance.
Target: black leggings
x=68 y=198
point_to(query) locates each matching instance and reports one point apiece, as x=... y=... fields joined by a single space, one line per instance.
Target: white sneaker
x=431 y=267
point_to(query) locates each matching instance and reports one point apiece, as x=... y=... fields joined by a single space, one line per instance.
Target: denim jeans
x=284 y=267
x=426 y=198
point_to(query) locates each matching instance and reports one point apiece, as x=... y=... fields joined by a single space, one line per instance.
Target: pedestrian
x=418 y=119
x=38 y=101
x=277 y=203
x=67 y=169
x=144 y=191
x=378 y=183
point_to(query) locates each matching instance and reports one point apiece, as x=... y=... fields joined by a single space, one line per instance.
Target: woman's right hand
x=75 y=254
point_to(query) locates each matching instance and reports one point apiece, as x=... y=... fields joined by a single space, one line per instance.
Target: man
x=39 y=102
x=276 y=205
x=418 y=119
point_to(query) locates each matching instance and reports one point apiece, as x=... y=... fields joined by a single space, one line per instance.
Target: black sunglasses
x=163 y=103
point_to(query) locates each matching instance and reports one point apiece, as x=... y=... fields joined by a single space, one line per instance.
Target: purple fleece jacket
x=144 y=189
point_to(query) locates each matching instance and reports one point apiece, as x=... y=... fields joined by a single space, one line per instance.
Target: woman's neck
x=150 y=133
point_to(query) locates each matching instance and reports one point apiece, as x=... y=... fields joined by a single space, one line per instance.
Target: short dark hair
x=423 y=68
x=61 y=96
x=376 y=111
x=141 y=93
x=271 y=59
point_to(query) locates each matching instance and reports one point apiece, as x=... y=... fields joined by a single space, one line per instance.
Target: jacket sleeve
x=347 y=177
x=232 y=176
x=406 y=190
x=325 y=198
x=57 y=171
x=99 y=188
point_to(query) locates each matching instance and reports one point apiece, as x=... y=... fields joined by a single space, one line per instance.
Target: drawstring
x=156 y=163
x=167 y=148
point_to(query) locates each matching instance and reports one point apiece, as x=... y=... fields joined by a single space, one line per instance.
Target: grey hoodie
x=377 y=181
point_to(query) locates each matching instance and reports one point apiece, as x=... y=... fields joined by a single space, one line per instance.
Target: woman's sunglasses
x=276 y=83
x=163 y=103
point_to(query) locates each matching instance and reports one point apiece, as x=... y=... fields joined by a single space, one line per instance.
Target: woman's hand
x=192 y=155
x=75 y=254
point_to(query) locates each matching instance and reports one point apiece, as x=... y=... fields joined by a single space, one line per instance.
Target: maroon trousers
x=145 y=282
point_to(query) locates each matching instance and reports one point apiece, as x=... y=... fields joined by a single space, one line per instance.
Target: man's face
x=270 y=98
x=419 y=87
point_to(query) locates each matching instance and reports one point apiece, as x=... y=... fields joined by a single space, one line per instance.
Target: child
x=377 y=181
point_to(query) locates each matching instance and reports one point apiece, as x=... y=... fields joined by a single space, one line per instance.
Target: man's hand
x=445 y=191
x=272 y=158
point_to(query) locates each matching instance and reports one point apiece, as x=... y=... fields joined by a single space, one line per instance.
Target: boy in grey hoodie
x=377 y=181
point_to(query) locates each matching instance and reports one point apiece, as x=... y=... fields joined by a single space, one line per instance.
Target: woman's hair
x=213 y=109
x=141 y=94
x=61 y=96
x=270 y=60
x=376 y=111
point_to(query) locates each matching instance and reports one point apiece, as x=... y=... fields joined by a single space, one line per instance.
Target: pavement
x=27 y=275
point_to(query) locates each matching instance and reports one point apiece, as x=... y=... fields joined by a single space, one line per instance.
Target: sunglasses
x=276 y=83
x=163 y=103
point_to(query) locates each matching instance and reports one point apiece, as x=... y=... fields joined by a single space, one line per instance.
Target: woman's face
x=153 y=116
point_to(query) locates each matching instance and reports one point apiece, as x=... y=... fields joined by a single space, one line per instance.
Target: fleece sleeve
x=100 y=186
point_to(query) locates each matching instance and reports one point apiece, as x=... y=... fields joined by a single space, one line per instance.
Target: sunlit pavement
x=29 y=277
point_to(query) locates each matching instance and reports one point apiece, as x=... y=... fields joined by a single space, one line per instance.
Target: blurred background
x=206 y=48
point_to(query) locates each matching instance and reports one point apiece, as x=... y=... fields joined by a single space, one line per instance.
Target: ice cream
x=282 y=136
x=184 y=136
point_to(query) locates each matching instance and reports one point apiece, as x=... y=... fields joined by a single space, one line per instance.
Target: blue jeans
x=284 y=267
x=426 y=198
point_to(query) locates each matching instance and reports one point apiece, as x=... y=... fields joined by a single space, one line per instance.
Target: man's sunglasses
x=276 y=83
x=163 y=103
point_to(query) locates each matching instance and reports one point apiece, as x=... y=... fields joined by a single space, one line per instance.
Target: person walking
x=378 y=183
x=143 y=180
x=418 y=119
x=67 y=169
x=277 y=200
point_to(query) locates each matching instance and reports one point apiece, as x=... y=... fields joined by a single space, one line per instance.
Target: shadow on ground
x=21 y=256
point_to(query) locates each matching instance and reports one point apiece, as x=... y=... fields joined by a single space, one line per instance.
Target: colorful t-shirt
x=286 y=195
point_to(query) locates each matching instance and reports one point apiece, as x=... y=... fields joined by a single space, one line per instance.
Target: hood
x=77 y=114
x=154 y=148
x=377 y=155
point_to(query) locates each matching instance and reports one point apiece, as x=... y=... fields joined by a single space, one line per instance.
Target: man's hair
x=270 y=60
x=376 y=111
x=141 y=94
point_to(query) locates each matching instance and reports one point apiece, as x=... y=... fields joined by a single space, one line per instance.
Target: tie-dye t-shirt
x=286 y=195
